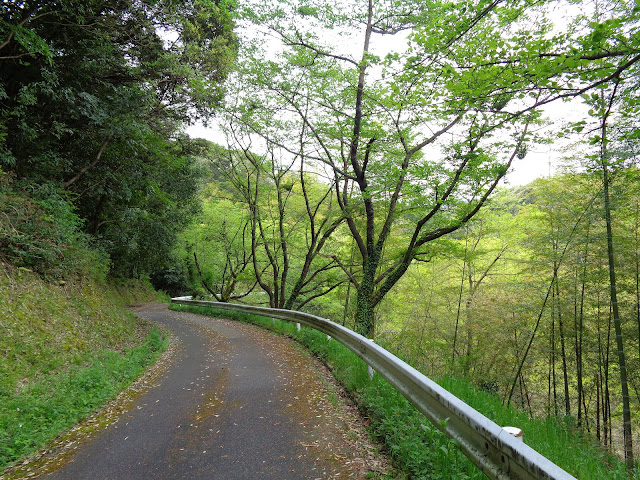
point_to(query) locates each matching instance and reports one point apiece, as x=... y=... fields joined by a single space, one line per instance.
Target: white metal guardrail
x=493 y=449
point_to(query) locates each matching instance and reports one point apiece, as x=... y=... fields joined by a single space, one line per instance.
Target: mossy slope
x=66 y=348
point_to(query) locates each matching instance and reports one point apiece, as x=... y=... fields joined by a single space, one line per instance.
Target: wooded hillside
x=94 y=97
x=96 y=181
x=359 y=176
x=361 y=181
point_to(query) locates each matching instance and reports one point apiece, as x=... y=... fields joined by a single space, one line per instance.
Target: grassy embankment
x=65 y=351
x=418 y=448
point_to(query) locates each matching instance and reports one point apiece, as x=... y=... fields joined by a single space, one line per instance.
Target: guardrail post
x=370 y=369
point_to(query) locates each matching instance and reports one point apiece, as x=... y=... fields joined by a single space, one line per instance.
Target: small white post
x=370 y=369
x=328 y=337
x=298 y=326
x=515 y=432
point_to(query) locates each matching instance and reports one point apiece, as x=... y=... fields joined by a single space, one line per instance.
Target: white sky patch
x=544 y=160
x=213 y=133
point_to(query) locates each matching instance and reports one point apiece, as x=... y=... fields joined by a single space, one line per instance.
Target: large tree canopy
x=93 y=95
x=416 y=139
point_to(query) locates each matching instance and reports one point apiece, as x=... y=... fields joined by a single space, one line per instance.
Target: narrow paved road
x=235 y=402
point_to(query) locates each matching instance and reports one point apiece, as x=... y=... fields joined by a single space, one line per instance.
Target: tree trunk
x=598 y=390
x=626 y=406
x=563 y=353
x=579 y=333
x=637 y=268
x=579 y=367
x=606 y=401
x=549 y=387
x=364 y=320
x=622 y=366
x=553 y=364
x=457 y=324
x=600 y=384
x=93 y=163
x=203 y=281
x=365 y=314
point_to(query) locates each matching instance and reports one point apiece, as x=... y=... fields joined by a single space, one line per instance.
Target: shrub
x=172 y=280
x=39 y=230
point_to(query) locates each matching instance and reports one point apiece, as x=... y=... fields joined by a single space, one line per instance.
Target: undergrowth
x=41 y=232
x=33 y=416
x=417 y=447
x=65 y=349
x=48 y=327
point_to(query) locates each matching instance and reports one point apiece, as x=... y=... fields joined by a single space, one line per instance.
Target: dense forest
x=94 y=98
x=362 y=183
x=359 y=175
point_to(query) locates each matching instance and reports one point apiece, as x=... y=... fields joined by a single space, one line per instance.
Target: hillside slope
x=66 y=348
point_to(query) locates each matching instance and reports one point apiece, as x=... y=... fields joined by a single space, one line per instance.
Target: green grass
x=417 y=447
x=555 y=438
x=34 y=415
x=66 y=348
x=47 y=327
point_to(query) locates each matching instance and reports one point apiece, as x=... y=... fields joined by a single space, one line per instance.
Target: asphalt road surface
x=233 y=402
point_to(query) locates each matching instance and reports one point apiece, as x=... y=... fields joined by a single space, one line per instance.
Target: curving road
x=235 y=402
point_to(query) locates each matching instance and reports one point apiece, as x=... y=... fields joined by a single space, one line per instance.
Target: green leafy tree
x=603 y=103
x=218 y=244
x=416 y=141
x=291 y=218
x=94 y=95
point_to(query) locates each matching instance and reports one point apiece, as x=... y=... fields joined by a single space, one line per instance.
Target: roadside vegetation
x=97 y=179
x=361 y=180
x=66 y=350
x=418 y=448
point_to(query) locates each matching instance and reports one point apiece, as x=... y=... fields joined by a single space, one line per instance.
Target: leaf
x=443 y=423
